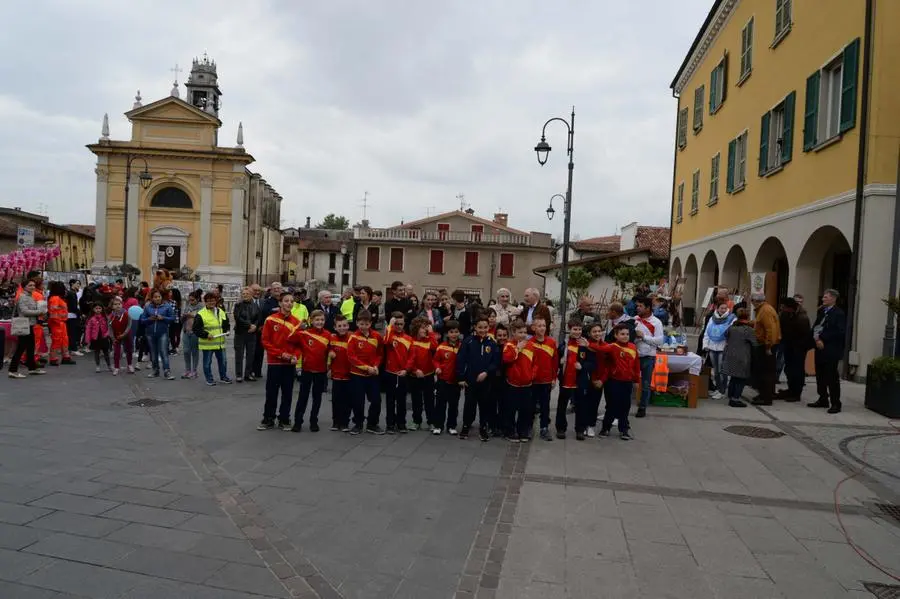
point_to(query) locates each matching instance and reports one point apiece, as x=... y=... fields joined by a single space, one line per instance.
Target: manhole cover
x=883 y=591
x=757 y=432
x=147 y=402
x=889 y=509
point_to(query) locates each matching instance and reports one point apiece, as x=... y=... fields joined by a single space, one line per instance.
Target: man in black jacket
x=462 y=312
x=398 y=302
x=246 y=323
x=325 y=305
x=795 y=332
x=73 y=321
x=828 y=339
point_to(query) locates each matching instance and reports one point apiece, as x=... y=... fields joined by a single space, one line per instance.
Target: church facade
x=191 y=205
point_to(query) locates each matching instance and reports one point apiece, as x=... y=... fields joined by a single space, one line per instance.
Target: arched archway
x=824 y=263
x=171 y=197
x=675 y=270
x=709 y=277
x=772 y=257
x=689 y=294
x=734 y=270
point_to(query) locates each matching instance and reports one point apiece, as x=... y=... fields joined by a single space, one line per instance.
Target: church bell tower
x=203 y=86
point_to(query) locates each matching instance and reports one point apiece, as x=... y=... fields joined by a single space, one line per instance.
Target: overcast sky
x=413 y=101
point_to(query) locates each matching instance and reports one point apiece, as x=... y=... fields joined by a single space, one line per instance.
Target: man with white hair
x=532 y=308
x=325 y=305
x=768 y=334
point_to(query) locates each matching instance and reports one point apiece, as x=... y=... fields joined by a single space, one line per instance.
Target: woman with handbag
x=22 y=326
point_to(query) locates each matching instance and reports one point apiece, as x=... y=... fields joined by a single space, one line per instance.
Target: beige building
x=200 y=207
x=76 y=242
x=454 y=250
x=318 y=258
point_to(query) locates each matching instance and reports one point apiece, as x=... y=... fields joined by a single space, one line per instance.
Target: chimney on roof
x=501 y=219
x=470 y=211
x=364 y=223
x=307 y=222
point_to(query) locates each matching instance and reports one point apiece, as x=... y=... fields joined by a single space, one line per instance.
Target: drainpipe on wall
x=853 y=286
x=493 y=267
x=672 y=210
x=888 y=347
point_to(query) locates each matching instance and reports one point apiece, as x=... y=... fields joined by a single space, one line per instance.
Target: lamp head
x=145 y=178
x=550 y=211
x=542 y=149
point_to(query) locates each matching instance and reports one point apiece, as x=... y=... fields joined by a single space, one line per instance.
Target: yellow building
x=786 y=155
x=76 y=242
x=200 y=207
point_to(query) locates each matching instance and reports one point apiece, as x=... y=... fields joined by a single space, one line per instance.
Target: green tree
x=579 y=281
x=628 y=277
x=335 y=222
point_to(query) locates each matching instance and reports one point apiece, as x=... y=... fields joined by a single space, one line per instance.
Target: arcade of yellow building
x=190 y=202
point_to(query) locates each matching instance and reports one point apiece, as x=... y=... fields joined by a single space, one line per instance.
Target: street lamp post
x=542 y=149
x=145 y=179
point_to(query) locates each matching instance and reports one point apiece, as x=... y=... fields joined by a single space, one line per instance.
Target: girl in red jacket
x=420 y=370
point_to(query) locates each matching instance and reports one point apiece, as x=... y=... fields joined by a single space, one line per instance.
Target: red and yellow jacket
x=546 y=360
x=278 y=337
x=421 y=356
x=340 y=363
x=621 y=362
x=568 y=378
x=445 y=360
x=314 y=344
x=520 y=366
x=396 y=348
x=364 y=351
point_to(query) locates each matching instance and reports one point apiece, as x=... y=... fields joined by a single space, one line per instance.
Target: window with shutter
x=332 y=260
x=443 y=228
x=679 y=203
x=729 y=178
x=850 y=68
x=682 y=127
x=746 y=51
x=436 y=262
x=507 y=264
x=830 y=108
x=714 y=179
x=777 y=136
x=764 y=143
x=471 y=264
x=695 y=192
x=698 y=108
x=787 y=134
x=373 y=258
x=811 y=113
x=718 y=85
x=396 y=262
x=740 y=161
x=477 y=231
x=783 y=20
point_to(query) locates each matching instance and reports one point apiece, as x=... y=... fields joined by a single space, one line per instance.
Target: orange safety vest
x=660 y=379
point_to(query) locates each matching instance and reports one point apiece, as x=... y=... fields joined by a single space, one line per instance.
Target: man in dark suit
x=533 y=308
x=828 y=339
x=327 y=307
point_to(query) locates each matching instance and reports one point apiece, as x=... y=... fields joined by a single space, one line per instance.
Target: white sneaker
x=77 y=353
x=591 y=432
x=715 y=395
x=97 y=370
x=17 y=375
x=115 y=372
x=452 y=431
x=436 y=431
x=131 y=370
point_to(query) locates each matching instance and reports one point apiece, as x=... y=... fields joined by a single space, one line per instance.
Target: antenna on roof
x=365 y=205
x=462 y=201
x=429 y=210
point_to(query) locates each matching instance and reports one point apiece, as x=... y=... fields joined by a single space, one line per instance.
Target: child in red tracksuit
x=314 y=343
x=396 y=349
x=446 y=409
x=546 y=365
x=282 y=354
x=340 y=375
x=420 y=370
x=364 y=351
x=518 y=360
x=622 y=371
x=570 y=367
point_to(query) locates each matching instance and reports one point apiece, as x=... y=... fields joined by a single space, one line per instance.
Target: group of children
x=506 y=375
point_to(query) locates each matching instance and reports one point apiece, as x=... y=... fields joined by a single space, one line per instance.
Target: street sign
x=25 y=236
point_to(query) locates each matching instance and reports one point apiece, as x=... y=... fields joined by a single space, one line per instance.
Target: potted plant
x=883 y=386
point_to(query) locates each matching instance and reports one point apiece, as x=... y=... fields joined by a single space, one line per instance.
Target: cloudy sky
x=414 y=101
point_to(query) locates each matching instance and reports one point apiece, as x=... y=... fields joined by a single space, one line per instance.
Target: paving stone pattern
x=182 y=500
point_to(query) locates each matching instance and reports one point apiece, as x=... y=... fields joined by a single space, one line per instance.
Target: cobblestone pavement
x=99 y=498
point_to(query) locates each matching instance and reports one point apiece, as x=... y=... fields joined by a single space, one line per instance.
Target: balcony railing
x=417 y=235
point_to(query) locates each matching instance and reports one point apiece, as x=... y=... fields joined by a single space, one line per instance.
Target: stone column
x=238 y=191
x=100 y=219
x=206 y=199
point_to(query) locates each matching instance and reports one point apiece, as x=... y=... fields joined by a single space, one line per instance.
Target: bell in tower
x=203 y=86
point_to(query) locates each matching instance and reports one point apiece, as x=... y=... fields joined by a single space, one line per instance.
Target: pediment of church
x=173 y=110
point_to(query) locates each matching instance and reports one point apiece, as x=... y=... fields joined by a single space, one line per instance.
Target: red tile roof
x=476 y=219
x=654 y=239
x=610 y=243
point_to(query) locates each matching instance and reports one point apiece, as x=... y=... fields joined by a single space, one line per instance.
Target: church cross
x=176 y=70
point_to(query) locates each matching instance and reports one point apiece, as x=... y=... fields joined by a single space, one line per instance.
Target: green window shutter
x=811 y=112
x=787 y=138
x=764 y=144
x=848 y=85
x=729 y=181
x=712 y=89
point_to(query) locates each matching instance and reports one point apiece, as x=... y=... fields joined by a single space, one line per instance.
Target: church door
x=169 y=257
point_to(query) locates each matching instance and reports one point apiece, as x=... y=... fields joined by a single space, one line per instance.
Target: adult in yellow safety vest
x=300 y=312
x=348 y=306
x=211 y=327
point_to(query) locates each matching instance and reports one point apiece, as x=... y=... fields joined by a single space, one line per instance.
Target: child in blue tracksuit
x=476 y=364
